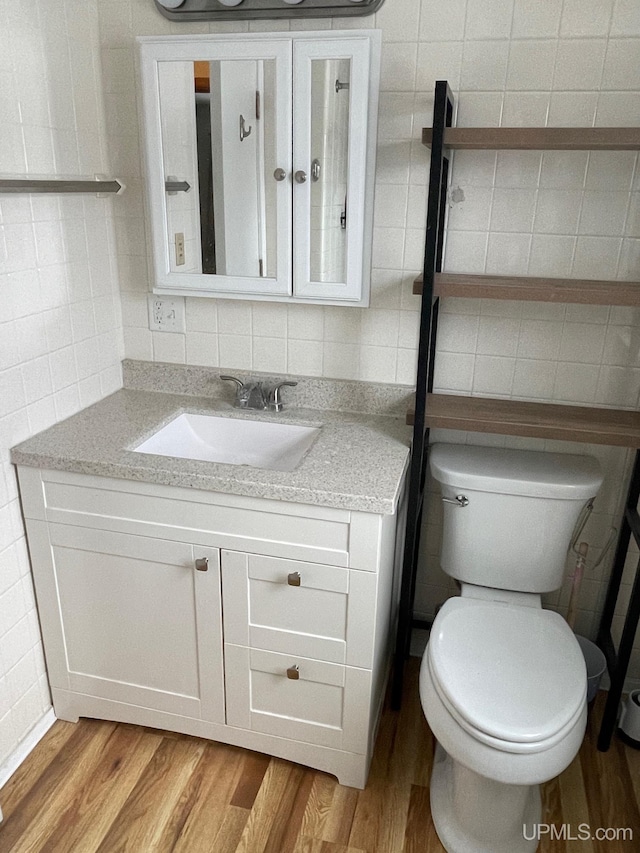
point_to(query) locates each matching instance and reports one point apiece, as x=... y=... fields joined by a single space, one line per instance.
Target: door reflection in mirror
x=330 y=153
x=236 y=145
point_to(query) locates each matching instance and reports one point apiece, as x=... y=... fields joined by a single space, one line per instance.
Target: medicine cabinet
x=260 y=161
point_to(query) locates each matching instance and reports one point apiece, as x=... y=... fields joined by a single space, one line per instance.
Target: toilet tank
x=522 y=508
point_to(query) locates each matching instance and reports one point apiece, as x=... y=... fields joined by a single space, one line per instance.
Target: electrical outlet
x=166 y=313
x=179 y=239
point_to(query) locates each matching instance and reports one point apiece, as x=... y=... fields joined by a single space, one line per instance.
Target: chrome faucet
x=254 y=394
x=275 y=401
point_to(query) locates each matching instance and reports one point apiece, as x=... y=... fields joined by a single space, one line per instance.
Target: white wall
x=60 y=324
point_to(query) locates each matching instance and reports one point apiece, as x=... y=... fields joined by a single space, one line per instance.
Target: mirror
x=219 y=124
x=330 y=80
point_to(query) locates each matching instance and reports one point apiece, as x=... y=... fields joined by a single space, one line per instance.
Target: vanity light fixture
x=229 y=10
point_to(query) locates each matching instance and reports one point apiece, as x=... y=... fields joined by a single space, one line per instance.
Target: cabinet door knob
x=293 y=579
x=293 y=672
x=202 y=564
x=300 y=176
x=279 y=174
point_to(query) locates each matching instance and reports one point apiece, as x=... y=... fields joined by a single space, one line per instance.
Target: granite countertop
x=357 y=461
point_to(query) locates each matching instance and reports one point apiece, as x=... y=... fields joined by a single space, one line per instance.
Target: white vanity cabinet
x=260 y=156
x=261 y=623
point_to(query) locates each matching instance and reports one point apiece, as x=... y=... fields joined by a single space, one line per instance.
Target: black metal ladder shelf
x=434 y=242
x=545 y=420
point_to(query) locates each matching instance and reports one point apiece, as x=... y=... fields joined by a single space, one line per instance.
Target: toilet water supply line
x=581 y=562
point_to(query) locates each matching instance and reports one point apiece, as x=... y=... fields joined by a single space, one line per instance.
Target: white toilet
x=503 y=682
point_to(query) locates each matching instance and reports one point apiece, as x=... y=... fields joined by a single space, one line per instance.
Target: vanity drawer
x=298 y=608
x=198 y=517
x=325 y=704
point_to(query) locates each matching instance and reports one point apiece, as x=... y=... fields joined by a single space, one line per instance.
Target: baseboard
x=9 y=767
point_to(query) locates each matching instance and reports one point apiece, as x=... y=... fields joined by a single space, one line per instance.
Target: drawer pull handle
x=293 y=673
x=202 y=564
x=293 y=579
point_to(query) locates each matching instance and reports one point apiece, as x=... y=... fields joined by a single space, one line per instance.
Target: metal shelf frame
x=430 y=286
x=436 y=209
x=618 y=660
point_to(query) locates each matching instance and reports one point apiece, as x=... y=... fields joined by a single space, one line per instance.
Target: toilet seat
x=513 y=677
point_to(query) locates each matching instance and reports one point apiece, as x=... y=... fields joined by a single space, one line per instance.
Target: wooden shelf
x=540 y=138
x=580 y=291
x=619 y=427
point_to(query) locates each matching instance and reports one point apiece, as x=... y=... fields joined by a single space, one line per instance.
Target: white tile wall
x=509 y=62
x=60 y=324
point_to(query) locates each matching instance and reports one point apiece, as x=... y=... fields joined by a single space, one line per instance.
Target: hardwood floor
x=106 y=787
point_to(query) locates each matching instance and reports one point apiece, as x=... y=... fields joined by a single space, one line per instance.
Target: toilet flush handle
x=459 y=500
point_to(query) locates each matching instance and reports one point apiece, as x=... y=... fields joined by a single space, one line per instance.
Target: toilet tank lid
x=531 y=473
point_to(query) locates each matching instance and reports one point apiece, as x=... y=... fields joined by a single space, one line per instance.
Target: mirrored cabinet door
x=218 y=137
x=330 y=109
x=259 y=154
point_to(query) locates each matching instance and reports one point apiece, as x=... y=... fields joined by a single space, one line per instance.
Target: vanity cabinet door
x=133 y=620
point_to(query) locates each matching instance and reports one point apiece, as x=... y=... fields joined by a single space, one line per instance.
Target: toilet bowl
x=503 y=682
x=505 y=719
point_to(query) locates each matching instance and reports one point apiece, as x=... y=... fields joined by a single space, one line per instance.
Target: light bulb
x=171 y=4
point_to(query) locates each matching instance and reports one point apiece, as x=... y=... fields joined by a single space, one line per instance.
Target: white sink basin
x=235 y=441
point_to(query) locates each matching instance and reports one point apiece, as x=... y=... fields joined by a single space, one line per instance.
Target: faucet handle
x=240 y=387
x=275 y=403
x=232 y=379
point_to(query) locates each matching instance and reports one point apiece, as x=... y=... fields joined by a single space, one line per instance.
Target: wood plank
x=574 y=807
x=89 y=814
x=319 y=806
x=254 y=767
x=540 y=138
x=316 y=845
x=230 y=833
x=202 y=808
x=534 y=289
x=552 y=814
x=337 y=827
x=35 y=765
x=274 y=790
x=35 y=819
x=155 y=796
x=380 y=817
x=287 y=823
x=609 y=791
x=591 y=425
x=420 y=834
